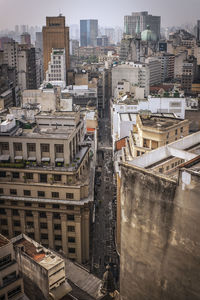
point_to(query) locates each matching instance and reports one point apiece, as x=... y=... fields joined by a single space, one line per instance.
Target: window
x=2 y=174
x=29 y=175
x=69 y=195
x=167 y=168
x=41 y=205
x=55 y=195
x=5 y=260
x=41 y=194
x=58 y=238
x=59 y=148
x=27 y=193
x=28 y=203
x=44 y=147
x=1 y=191
x=71 y=250
x=4 y=232
x=181 y=129
x=70 y=207
x=14 y=292
x=15 y=175
x=2 y=211
x=31 y=235
x=44 y=236
x=31 y=147
x=57 y=177
x=15 y=212
x=43 y=225
x=16 y=223
x=18 y=146
x=57 y=226
x=4 y=222
x=176 y=131
x=56 y=206
x=13 y=192
x=4 y=146
x=58 y=248
x=71 y=228
x=29 y=214
x=43 y=215
x=56 y=215
x=43 y=178
x=172 y=165
x=30 y=224
x=71 y=239
x=70 y=217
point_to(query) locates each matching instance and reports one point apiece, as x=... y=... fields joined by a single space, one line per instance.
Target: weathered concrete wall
x=160 y=238
x=194 y=117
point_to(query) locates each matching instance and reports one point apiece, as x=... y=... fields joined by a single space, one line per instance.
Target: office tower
x=198 y=31
x=56 y=67
x=110 y=33
x=55 y=35
x=25 y=38
x=48 y=196
x=39 y=57
x=88 y=32
x=26 y=67
x=11 y=55
x=138 y=21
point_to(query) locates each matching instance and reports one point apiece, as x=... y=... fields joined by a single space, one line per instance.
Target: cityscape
x=100 y=155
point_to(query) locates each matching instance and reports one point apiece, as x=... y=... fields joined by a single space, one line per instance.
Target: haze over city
x=109 y=13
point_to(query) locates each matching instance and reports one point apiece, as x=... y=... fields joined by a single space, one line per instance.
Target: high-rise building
x=138 y=21
x=198 y=31
x=25 y=38
x=56 y=68
x=55 y=35
x=88 y=32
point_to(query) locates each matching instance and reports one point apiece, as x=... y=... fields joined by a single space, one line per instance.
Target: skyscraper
x=55 y=35
x=88 y=32
x=138 y=21
x=198 y=31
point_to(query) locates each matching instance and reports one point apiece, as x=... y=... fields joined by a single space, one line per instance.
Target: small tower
x=107 y=282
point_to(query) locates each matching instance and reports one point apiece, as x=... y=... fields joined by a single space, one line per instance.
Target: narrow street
x=103 y=242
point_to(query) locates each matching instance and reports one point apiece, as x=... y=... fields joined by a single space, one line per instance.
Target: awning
x=4 y=157
x=61 y=291
x=32 y=158
x=45 y=159
x=59 y=159
x=18 y=157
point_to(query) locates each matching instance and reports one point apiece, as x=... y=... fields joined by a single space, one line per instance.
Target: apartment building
x=136 y=74
x=45 y=180
x=56 y=66
x=11 y=283
x=43 y=271
x=154 y=131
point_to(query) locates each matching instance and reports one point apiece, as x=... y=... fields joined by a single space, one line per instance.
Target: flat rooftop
x=159 y=122
x=187 y=149
x=3 y=240
x=44 y=257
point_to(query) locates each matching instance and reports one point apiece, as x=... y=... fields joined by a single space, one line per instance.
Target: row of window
x=42 y=177
x=15 y=291
x=39 y=194
x=42 y=214
x=31 y=147
x=15 y=203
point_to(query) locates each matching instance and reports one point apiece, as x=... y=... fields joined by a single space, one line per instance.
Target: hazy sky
x=108 y=12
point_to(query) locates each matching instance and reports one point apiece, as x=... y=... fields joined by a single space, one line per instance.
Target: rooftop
x=3 y=241
x=187 y=149
x=44 y=257
x=159 y=121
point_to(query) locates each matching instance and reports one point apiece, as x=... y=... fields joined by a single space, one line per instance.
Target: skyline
x=76 y=10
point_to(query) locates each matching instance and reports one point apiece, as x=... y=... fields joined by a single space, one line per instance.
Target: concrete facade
x=161 y=215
